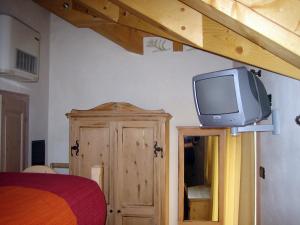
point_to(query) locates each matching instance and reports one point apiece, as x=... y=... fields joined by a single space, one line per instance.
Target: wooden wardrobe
x=131 y=144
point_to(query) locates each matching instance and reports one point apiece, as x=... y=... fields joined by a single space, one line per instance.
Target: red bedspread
x=83 y=196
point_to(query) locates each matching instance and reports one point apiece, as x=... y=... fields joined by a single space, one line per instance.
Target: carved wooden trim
x=117 y=109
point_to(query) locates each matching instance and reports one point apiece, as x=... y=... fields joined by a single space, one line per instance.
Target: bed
x=50 y=199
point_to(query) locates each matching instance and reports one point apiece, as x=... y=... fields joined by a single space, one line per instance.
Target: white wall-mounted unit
x=19 y=50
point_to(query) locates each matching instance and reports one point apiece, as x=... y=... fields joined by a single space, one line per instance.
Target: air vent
x=26 y=62
x=19 y=50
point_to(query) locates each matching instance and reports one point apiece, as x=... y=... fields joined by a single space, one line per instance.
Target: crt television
x=230 y=98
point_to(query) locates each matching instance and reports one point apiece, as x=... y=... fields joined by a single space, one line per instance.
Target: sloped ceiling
x=263 y=33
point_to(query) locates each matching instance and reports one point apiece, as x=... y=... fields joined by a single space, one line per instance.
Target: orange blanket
x=35 y=207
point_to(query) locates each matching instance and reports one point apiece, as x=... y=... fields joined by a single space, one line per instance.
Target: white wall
x=38 y=18
x=87 y=70
x=280 y=155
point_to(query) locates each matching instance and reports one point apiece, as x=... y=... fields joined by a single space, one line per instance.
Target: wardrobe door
x=90 y=146
x=137 y=189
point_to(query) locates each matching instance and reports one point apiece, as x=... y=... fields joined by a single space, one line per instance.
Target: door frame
x=25 y=99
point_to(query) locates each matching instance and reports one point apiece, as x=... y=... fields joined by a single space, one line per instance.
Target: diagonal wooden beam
x=172 y=16
x=103 y=8
x=130 y=20
x=130 y=39
x=260 y=22
x=112 y=12
x=101 y=17
x=216 y=38
x=133 y=21
x=109 y=10
x=225 y=42
x=284 y=12
x=124 y=17
x=64 y=9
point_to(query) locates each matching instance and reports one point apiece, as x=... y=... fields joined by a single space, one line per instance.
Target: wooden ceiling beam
x=126 y=19
x=102 y=8
x=260 y=21
x=64 y=9
x=216 y=38
x=128 y=38
x=171 y=16
x=283 y=12
x=133 y=21
x=222 y=41
x=177 y=47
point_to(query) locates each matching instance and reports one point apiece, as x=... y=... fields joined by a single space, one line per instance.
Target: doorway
x=14 y=131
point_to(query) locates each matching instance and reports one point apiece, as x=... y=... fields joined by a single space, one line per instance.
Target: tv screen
x=217 y=95
x=230 y=98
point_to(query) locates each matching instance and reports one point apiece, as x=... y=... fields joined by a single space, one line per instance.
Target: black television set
x=230 y=98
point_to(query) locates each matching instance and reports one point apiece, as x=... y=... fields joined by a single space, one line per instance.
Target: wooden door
x=14 y=130
x=94 y=148
x=137 y=179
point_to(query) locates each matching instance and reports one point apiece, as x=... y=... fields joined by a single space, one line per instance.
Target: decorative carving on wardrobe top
x=117 y=109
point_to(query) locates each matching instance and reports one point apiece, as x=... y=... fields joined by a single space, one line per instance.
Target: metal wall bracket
x=274 y=127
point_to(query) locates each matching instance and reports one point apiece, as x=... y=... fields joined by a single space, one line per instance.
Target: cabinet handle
x=111 y=211
x=75 y=148
x=119 y=211
x=158 y=149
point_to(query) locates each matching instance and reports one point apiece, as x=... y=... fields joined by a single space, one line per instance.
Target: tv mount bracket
x=274 y=127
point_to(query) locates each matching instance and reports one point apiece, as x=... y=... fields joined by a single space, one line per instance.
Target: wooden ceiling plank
x=284 y=13
x=169 y=15
x=248 y=21
x=225 y=42
x=102 y=8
